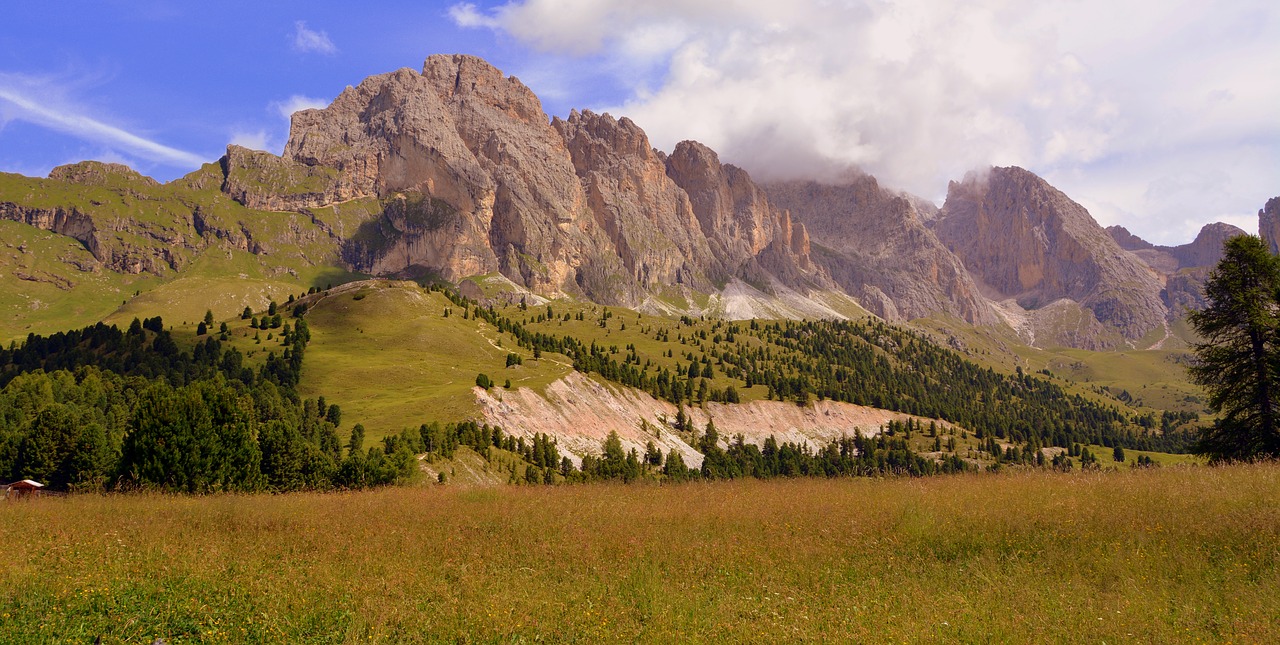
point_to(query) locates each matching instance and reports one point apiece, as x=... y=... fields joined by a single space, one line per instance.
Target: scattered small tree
x=355 y=445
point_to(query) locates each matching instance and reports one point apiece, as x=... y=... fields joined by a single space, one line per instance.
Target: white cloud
x=1116 y=101
x=287 y=107
x=309 y=41
x=272 y=137
x=467 y=15
x=256 y=140
x=18 y=101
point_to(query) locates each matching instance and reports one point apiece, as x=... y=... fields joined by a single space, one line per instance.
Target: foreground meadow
x=1169 y=555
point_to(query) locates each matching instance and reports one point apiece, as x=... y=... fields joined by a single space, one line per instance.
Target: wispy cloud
x=309 y=41
x=18 y=102
x=287 y=107
x=468 y=15
x=255 y=140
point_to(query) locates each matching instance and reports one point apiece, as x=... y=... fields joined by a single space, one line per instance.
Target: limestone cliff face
x=476 y=179
x=1269 y=224
x=1027 y=241
x=627 y=194
x=748 y=235
x=461 y=134
x=876 y=247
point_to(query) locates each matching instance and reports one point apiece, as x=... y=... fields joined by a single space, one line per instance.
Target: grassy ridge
x=387 y=354
x=51 y=282
x=1170 y=555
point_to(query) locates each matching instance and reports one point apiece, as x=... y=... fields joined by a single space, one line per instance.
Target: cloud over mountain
x=918 y=92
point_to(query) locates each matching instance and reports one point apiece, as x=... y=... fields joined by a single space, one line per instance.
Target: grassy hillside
x=187 y=248
x=50 y=283
x=1172 y=555
x=387 y=354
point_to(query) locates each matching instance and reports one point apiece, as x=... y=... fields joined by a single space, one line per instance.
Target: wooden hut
x=22 y=489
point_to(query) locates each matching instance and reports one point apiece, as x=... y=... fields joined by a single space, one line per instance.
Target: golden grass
x=1171 y=555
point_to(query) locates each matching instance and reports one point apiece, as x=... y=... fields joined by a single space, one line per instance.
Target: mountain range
x=455 y=171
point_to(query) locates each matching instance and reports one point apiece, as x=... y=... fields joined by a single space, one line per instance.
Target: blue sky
x=1158 y=115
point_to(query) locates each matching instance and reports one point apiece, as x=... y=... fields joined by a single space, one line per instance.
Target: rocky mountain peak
x=591 y=136
x=1206 y=249
x=1028 y=242
x=578 y=205
x=460 y=78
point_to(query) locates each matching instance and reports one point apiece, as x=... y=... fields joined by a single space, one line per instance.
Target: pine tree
x=355 y=445
x=1239 y=360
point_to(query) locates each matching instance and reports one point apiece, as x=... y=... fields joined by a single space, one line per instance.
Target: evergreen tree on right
x=1238 y=360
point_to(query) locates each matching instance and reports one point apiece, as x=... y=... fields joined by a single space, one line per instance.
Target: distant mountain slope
x=1030 y=244
x=94 y=239
x=1182 y=268
x=875 y=245
x=1204 y=251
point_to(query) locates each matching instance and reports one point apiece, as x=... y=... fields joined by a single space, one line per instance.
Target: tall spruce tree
x=1238 y=363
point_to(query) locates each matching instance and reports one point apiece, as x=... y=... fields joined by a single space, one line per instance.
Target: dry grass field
x=1167 y=555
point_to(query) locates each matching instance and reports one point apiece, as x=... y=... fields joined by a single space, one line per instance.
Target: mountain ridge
x=455 y=171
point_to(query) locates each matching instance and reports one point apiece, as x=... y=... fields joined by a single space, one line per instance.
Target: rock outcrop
x=121 y=223
x=875 y=245
x=1128 y=241
x=1026 y=241
x=263 y=181
x=1269 y=224
x=97 y=173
